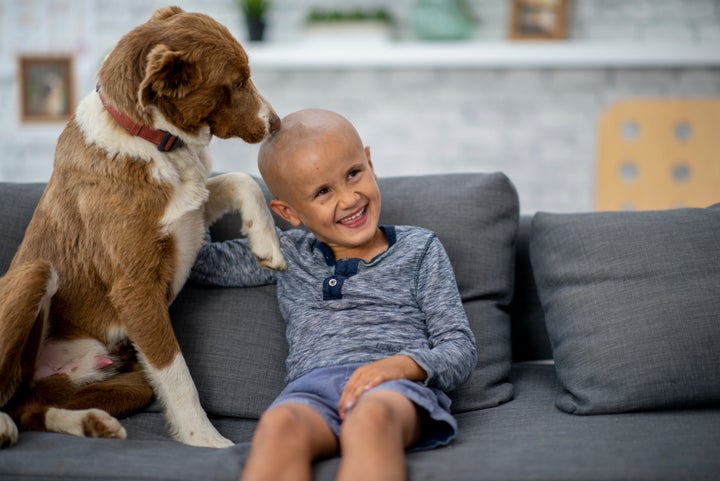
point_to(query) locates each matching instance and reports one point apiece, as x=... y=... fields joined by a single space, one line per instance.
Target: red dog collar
x=163 y=140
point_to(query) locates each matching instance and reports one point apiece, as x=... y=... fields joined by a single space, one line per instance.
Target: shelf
x=473 y=55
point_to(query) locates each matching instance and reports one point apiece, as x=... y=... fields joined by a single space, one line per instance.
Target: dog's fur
x=85 y=335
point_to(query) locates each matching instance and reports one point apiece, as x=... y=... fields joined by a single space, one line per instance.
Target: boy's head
x=322 y=176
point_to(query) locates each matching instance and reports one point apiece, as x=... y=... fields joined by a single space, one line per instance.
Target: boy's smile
x=356 y=220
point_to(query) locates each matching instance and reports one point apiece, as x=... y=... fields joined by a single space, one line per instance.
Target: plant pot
x=256 y=29
x=347 y=31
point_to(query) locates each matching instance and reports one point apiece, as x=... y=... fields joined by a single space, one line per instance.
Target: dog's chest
x=183 y=217
x=187 y=173
x=184 y=222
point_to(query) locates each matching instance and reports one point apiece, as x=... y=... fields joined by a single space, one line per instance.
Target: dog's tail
x=25 y=294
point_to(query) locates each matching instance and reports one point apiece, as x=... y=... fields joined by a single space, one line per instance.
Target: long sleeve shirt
x=404 y=301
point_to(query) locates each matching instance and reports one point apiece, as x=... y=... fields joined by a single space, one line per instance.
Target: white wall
x=535 y=124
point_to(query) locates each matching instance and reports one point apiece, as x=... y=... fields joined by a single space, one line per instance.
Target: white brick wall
x=536 y=125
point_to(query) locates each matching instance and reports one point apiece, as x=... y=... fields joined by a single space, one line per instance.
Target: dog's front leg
x=148 y=327
x=239 y=192
x=175 y=388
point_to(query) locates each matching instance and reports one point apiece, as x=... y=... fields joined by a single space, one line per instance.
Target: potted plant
x=354 y=23
x=255 y=11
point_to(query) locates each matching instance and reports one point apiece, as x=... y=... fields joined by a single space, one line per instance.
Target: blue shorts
x=320 y=389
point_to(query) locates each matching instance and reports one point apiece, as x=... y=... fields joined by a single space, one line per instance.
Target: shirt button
x=332 y=282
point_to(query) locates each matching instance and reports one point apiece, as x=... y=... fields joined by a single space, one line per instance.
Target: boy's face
x=330 y=187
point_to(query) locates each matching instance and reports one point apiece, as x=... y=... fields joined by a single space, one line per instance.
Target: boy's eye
x=321 y=192
x=353 y=173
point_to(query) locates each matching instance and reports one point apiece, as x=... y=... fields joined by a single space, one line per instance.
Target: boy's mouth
x=354 y=218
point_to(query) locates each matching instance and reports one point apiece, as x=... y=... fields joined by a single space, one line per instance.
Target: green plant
x=359 y=14
x=254 y=9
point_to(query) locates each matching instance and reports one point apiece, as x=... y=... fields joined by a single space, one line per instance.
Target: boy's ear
x=285 y=211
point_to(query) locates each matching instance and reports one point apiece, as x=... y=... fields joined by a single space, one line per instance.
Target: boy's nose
x=348 y=198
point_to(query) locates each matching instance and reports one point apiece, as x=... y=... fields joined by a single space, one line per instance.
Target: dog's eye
x=239 y=84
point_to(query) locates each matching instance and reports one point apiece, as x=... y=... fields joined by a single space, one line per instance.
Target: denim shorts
x=320 y=389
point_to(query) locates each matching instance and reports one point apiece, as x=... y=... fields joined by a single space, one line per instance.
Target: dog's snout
x=274 y=124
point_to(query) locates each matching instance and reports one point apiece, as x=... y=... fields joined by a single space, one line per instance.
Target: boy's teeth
x=354 y=216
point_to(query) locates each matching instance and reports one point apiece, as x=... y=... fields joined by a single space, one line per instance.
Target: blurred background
x=538 y=89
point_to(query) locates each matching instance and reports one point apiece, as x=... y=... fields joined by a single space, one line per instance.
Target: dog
x=85 y=334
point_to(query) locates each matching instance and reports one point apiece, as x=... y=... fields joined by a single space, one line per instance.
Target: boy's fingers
x=351 y=394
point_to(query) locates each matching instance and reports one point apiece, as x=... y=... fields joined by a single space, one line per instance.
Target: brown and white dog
x=85 y=335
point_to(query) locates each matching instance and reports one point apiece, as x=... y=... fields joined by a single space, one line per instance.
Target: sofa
x=598 y=336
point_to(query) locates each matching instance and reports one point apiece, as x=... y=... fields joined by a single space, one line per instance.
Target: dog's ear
x=168 y=74
x=166 y=12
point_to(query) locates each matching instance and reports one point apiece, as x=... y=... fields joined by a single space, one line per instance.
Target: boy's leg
x=288 y=438
x=374 y=436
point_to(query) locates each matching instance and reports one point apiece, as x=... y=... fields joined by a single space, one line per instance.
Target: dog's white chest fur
x=187 y=231
x=184 y=215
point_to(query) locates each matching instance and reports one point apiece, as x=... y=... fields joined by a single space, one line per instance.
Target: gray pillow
x=632 y=307
x=233 y=339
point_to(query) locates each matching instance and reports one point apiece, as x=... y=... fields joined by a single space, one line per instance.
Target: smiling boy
x=375 y=325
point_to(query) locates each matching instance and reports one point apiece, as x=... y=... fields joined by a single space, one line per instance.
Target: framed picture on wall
x=46 y=88
x=538 y=19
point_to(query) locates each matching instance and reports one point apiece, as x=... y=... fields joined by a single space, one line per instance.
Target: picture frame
x=46 y=88
x=538 y=19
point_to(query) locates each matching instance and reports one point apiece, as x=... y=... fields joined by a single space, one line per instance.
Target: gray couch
x=626 y=303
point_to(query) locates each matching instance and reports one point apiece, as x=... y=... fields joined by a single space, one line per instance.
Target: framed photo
x=538 y=19
x=46 y=88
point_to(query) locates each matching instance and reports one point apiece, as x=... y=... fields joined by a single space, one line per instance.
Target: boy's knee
x=382 y=415
x=371 y=413
x=296 y=428
x=281 y=420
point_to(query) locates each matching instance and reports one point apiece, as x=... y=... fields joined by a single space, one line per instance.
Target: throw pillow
x=631 y=302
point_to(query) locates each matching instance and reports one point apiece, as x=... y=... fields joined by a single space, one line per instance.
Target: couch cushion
x=529 y=439
x=51 y=456
x=233 y=341
x=475 y=217
x=631 y=302
x=17 y=203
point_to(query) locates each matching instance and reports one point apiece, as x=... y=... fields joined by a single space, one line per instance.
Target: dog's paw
x=94 y=423
x=276 y=261
x=99 y=424
x=209 y=438
x=265 y=245
x=8 y=431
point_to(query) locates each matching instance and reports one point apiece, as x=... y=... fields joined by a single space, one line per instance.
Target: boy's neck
x=367 y=252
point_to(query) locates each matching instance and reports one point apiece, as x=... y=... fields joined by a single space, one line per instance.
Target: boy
x=375 y=326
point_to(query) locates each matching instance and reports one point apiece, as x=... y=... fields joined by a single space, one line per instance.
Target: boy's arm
x=452 y=356
x=230 y=264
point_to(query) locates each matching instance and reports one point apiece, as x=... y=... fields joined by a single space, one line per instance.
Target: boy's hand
x=370 y=375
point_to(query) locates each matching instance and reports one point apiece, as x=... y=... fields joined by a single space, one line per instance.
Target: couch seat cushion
x=528 y=438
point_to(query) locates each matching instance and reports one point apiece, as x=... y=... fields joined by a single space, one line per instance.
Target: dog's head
x=190 y=69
